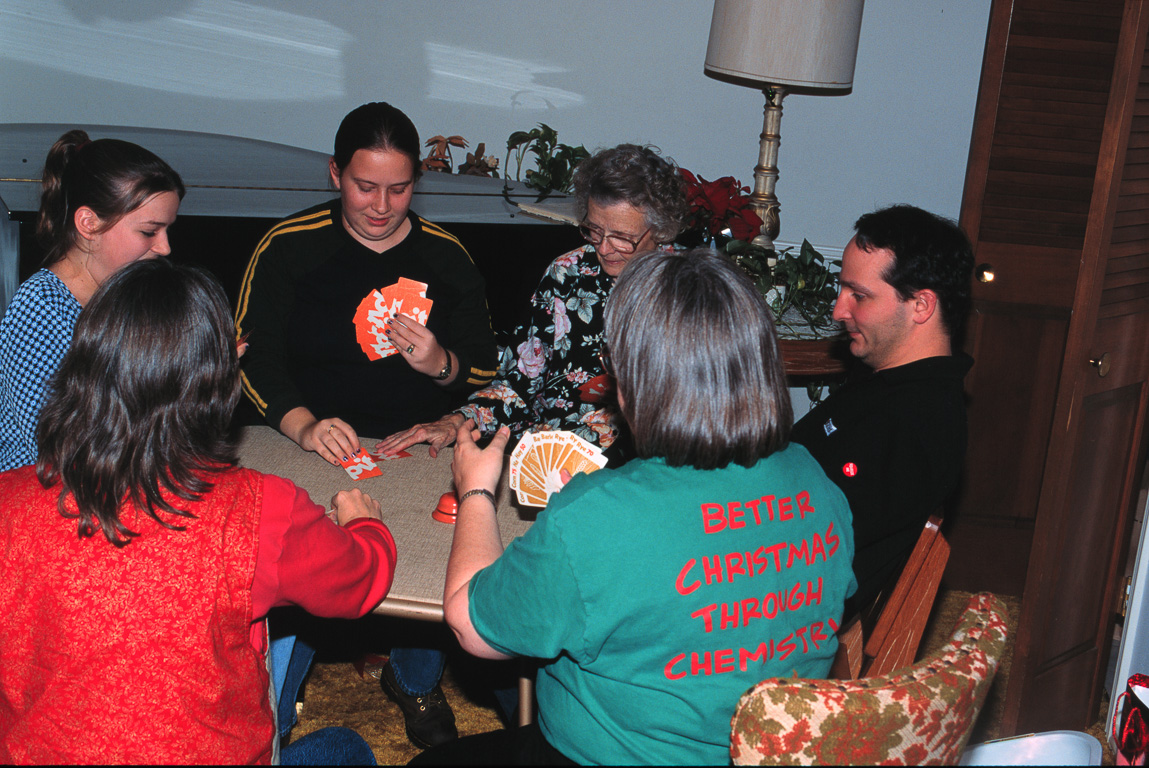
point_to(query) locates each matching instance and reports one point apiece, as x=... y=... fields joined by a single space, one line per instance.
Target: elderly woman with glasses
x=632 y=200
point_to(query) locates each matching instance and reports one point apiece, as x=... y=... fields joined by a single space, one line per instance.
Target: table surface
x=408 y=490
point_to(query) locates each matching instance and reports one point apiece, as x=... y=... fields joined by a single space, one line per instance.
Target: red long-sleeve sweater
x=144 y=654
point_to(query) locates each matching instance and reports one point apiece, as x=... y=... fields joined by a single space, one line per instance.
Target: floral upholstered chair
x=918 y=715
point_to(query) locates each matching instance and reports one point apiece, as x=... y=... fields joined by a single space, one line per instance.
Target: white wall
x=599 y=71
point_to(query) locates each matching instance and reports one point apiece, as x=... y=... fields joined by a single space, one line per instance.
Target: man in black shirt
x=894 y=437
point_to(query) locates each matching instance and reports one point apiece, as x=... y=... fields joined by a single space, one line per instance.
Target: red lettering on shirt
x=832 y=540
x=753 y=505
x=735 y=566
x=707 y=616
x=729 y=616
x=804 y=507
x=762 y=654
x=786 y=646
x=712 y=518
x=734 y=514
x=775 y=550
x=712 y=569
x=678 y=583
x=769 y=506
x=814 y=596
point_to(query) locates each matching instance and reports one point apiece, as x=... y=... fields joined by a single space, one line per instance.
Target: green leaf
x=517 y=138
x=547 y=134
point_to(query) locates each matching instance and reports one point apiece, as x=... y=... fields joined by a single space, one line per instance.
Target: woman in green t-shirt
x=660 y=591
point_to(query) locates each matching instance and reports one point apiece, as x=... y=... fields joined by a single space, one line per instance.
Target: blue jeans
x=417 y=670
x=290 y=660
x=328 y=746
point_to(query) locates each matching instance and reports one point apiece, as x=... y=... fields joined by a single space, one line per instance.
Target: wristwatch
x=446 y=368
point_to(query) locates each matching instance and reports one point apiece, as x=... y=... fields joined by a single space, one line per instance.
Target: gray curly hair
x=640 y=176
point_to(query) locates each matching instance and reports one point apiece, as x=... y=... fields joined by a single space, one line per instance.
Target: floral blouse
x=550 y=375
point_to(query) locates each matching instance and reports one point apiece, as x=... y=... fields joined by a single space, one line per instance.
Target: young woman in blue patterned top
x=105 y=203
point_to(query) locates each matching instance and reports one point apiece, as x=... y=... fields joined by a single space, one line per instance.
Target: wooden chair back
x=893 y=641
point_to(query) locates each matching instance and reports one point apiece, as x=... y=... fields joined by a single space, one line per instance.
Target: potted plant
x=799 y=287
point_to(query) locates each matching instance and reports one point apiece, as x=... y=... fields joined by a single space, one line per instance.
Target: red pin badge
x=849 y=469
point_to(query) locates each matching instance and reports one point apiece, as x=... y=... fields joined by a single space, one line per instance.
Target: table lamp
x=782 y=46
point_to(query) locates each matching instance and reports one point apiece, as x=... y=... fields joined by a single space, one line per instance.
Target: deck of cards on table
x=362 y=464
x=539 y=458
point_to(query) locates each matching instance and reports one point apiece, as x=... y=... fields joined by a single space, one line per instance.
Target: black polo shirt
x=894 y=442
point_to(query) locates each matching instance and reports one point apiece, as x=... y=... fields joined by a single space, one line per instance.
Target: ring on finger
x=330 y=427
x=410 y=349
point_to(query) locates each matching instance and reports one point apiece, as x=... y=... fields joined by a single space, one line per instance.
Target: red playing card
x=596 y=390
x=361 y=466
x=389 y=456
x=407 y=297
x=371 y=323
x=411 y=286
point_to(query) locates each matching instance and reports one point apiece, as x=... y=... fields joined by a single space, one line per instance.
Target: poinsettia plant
x=800 y=288
x=720 y=209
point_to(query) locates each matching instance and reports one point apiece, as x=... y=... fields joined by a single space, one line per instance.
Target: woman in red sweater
x=139 y=559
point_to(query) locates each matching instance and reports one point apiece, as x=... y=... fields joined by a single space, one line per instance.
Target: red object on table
x=447 y=509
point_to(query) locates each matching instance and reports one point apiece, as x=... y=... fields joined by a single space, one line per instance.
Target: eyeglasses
x=619 y=243
x=604 y=358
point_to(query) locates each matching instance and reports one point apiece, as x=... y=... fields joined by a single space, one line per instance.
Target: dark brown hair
x=640 y=177
x=141 y=405
x=694 y=351
x=929 y=252
x=376 y=126
x=110 y=176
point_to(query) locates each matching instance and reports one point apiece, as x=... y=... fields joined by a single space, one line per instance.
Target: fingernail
x=345 y=458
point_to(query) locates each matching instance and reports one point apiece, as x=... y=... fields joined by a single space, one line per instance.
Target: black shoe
x=429 y=719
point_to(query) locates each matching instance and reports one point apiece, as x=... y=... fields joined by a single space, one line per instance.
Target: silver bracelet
x=479 y=492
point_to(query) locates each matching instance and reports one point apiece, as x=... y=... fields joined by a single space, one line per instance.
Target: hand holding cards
x=407 y=297
x=539 y=458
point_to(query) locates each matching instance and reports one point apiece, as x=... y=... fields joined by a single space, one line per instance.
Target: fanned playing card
x=406 y=297
x=539 y=458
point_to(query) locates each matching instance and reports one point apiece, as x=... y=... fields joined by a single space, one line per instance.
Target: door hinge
x=1126 y=594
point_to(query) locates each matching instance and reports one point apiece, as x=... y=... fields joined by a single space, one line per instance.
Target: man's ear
x=88 y=223
x=923 y=306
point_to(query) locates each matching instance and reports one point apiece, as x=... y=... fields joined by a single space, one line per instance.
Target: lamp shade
x=793 y=43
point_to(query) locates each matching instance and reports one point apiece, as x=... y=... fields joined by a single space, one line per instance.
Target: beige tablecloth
x=408 y=490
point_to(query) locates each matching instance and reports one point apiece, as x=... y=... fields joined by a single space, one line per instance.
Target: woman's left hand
x=475 y=467
x=417 y=345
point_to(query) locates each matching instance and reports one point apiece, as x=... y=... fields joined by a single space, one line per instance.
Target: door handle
x=984 y=273
x=1101 y=364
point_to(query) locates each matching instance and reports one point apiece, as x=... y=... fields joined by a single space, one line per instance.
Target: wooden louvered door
x=1057 y=204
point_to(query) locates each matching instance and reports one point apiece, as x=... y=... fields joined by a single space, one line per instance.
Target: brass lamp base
x=762 y=199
